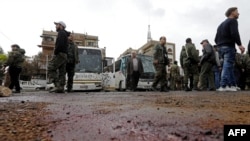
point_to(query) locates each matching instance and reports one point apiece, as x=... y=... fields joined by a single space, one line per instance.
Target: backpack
x=212 y=58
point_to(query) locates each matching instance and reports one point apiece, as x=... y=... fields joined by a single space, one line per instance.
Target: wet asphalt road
x=140 y=116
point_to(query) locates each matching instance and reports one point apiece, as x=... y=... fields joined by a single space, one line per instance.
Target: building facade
x=128 y=51
x=148 y=48
x=49 y=38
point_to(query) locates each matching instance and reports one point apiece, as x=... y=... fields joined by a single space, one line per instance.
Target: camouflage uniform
x=58 y=64
x=206 y=74
x=160 y=54
x=15 y=61
x=73 y=59
x=189 y=62
x=174 y=76
x=246 y=64
x=239 y=71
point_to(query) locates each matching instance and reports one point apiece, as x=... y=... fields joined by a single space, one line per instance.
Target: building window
x=90 y=43
x=49 y=39
x=169 y=50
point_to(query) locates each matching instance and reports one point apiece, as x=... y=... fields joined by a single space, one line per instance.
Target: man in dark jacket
x=134 y=70
x=57 y=66
x=207 y=61
x=160 y=62
x=15 y=60
x=226 y=37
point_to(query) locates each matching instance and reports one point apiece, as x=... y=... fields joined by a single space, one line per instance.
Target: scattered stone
x=5 y=91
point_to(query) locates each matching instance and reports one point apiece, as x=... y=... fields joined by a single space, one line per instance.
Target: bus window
x=117 y=65
x=90 y=61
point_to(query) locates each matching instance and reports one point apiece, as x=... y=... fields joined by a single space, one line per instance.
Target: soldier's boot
x=164 y=89
x=154 y=88
x=60 y=89
x=55 y=89
x=247 y=86
x=196 y=89
x=187 y=88
x=69 y=89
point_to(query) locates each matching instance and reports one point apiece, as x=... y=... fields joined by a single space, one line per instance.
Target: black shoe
x=187 y=89
x=70 y=90
x=212 y=89
x=60 y=91
x=164 y=90
x=196 y=89
x=16 y=92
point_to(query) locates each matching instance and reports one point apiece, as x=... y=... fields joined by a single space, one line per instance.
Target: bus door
x=108 y=75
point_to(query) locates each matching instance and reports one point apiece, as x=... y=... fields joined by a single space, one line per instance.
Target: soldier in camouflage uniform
x=206 y=62
x=73 y=59
x=189 y=59
x=174 y=75
x=246 y=70
x=160 y=56
x=239 y=71
x=15 y=60
x=57 y=66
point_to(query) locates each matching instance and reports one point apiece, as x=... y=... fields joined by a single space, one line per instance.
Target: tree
x=1 y=50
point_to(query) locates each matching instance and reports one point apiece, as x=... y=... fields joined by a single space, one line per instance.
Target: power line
x=6 y=36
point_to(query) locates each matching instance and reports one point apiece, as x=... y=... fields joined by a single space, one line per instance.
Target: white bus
x=116 y=78
x=88 y=71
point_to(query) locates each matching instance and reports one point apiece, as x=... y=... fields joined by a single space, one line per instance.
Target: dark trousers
x=70 y=69
x=134 y=78
x=14 y=77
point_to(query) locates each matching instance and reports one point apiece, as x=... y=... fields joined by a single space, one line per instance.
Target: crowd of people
x=219 y=67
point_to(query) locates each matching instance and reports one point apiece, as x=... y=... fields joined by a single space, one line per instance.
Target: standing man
x=160 y=61
x=174 y=75
x=207 y=61
x=134 y=70
x=189 y=59
x=57 y=66
x=226 y=37
x=15 y=60
x=217 y=67
x=73 y=59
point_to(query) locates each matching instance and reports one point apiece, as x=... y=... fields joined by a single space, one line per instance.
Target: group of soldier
x=219 y=67
x=64 y=59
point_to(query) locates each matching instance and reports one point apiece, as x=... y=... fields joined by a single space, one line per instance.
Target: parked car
x=28 y=85
x=49 y=86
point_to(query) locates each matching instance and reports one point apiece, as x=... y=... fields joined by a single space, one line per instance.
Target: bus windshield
x=147 y=62
x=90 y=61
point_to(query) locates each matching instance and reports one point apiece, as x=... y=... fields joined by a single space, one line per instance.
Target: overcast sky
x=120 y=24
